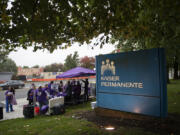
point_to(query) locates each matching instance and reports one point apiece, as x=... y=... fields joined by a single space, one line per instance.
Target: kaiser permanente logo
x=114 y=80
x=108 y=66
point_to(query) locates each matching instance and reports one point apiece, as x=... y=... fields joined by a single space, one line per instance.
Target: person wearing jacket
x=68 y=91
x=31 y=95
x=9 y=97
x=77 y=92
x=86 y=83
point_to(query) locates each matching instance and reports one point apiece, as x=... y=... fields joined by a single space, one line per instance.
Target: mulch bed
x=168 y=126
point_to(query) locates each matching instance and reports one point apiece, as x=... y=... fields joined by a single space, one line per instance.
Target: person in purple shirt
x=41 y=96
x=31 y=94
x=46 y=89
x=51 y=91
x=9 y=96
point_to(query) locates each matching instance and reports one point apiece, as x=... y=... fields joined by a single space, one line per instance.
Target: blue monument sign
x=133 y=82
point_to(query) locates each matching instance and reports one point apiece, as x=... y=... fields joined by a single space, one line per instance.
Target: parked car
x=12 y=83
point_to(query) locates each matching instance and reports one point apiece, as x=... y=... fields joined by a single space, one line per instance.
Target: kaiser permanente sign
x=133 y=82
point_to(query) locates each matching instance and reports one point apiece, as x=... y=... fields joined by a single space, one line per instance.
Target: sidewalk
x=18 y=110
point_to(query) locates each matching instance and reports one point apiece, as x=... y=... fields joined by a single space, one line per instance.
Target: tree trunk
x=168 y=81
x=179 y=70
x=175 y=64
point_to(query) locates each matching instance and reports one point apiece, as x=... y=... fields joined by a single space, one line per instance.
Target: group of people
x=71 y=90
x=10 y=99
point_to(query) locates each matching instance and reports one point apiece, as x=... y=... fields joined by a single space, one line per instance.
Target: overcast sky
x=29 y=58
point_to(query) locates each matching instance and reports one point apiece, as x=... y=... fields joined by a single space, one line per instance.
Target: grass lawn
x=61 y=125
x=173 y=91
x=67 y=125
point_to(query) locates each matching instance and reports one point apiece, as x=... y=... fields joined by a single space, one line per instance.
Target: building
x=29 y=71
x=49 y=75
x=5 y=76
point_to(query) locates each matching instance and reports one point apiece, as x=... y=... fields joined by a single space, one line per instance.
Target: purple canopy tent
x=77 y=72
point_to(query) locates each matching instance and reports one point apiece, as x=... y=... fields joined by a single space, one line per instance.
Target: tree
x=3 y=56
x=156 y=26
x=87 y=62
x=49 y=24
x=54 y=68
x=36 y=66
x=25 y=67
x=4 y=26
x=8 y=66
x=57 y=24
x=71 y=61
x=172 y=52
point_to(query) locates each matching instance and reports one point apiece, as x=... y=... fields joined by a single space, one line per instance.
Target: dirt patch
x=170 y=125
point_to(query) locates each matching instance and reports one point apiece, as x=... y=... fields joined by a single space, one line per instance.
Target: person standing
x=9 y=96
x=68 y=91
x=31 y=95
x=86 y=84
x=42 y=97
x=51 y=88
x=46 y=89
x=60 y=87
x=13 y=100
x=77 y=92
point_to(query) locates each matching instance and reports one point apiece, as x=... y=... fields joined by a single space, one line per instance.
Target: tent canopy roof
x=77 y=72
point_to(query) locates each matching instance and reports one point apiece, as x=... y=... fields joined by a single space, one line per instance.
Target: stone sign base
x=119 y=114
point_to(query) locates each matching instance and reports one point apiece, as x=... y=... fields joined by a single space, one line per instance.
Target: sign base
x=119 y=114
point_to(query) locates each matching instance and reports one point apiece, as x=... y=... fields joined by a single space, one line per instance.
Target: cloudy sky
x=29 y=58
